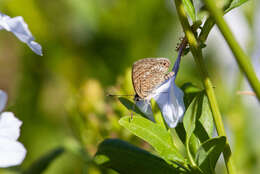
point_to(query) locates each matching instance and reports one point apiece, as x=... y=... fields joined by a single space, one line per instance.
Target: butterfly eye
x=164 y=64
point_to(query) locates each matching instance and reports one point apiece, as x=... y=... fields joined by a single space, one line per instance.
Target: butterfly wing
x=148 y=73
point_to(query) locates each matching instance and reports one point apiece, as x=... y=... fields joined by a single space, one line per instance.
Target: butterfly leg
x=136 y=98
x=133 y=108
x=169 y=75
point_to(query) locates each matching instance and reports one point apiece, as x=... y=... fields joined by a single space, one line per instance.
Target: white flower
x=12 y=152
x=170 y=100
x=168 y=97
x=20 y=29
x=145 y=107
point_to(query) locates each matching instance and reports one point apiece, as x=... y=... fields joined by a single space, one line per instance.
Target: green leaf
x=155 y=135
x=190 y=91
x=206 y=122
x=126 y=158
x=235 y=4
x=41 y=164
x=209 y=152
x=193 y=145
x=181 y=132
x=191 y=116
x=157 y=114
x=198 y=123
x=189 y=8
x=130 y=106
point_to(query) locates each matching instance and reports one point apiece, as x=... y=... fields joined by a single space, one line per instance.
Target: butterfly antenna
x=115 y=95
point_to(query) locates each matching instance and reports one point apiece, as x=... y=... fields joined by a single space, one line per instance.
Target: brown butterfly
x=149 y=73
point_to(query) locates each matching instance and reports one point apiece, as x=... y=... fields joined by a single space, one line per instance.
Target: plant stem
x=242 y=59
x=197 y=54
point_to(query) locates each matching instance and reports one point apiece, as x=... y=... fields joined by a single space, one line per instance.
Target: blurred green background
x=89 y=47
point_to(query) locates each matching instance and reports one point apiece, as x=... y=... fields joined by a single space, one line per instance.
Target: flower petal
x=170 y=100
x=3 y=100
x=145 y=107
x=9 y=126
x=20 y=29
x=11 y=152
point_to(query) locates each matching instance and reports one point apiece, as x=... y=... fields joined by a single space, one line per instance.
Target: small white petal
x=9 y=126
x=3 y=100
x=12 y=153
x=20 y=29
x=145 y=107
x=170 y=100
x=37 y=48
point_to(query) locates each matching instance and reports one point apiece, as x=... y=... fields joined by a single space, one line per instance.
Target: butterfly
x=149 y=73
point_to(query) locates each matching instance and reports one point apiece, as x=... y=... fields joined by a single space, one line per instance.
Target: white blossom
x=145 y=107
x=170 y=100
x=20 y=29
x=12 y=152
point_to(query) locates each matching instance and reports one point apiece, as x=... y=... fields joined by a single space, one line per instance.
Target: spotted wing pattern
x=147 y=74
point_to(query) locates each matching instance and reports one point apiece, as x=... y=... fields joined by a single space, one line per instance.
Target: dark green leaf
x=190 y=88
x=190 y=91
x=155 y=135
x=126 y=158
x=186 y=51
x=130 y=106
x=181 y=132
x=235 y=4
x=190 y=10
x=198 y=123
x=41 y=164
x=209 y=152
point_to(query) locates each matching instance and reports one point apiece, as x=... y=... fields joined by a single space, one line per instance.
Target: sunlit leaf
x=191 y=116
x=235 y=4
x=189 y=8
x=126 y=158
x=155 y=135
x=193 y=144
x=209 y=152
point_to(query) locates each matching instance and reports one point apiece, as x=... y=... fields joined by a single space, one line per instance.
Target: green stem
x=189 y=155
x=197 y=54
x=210 y=22
x=242 y=59
x=208 y=25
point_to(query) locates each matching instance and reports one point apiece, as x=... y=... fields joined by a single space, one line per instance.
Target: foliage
x=88 y=48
